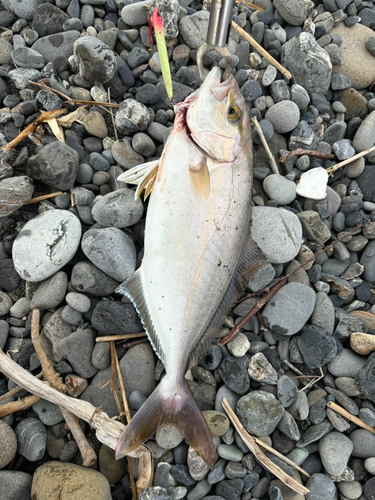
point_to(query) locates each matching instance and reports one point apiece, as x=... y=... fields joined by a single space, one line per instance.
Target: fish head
x=217 y=119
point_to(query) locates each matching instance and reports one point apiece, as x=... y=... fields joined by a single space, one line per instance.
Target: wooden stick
x=251 y=313
x=309 y=152
x=125 y=336
x=349 y=160
x=108 y=431
x=259 y=455
x=261 y=51
x=43 y=197
x=251 y=5
x=21 y=404
x=44 y=116
x=55 y=381
x=271 y=159
x=349 y=416
x=16 y=389
x=279 y=455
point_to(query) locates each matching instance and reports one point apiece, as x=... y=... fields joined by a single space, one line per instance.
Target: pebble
x=15 y=484
x=217 y=422
x=118 y=209
x=290 y=113
x=286 y=391
x=77 y=350
x=95 y=125
x=49 y=413
x=50 y=292
x=276 y=221
x=279 y=189
x=261 y=370
x=31 y=439
x=116 y=318
x=55 y=477
x=45 y=244
x=59 y=44
x=96 y=61
x=9 y=444
x=289 y=309
x=259 y=412
x=321 y=487
x=111 y=250
x=363 y=442
x=307 y=342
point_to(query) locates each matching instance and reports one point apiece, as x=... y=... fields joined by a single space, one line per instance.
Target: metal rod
x=221 y=15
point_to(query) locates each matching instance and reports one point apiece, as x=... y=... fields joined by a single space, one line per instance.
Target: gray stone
x=365 y=136
x=101 y=355
x=343 y=149
x=279 y=189
x=77 y=350
x=59 y=44
x=49 y=413
x=97 y=63
x=48 y=19
x=112 y=317
x=289 y=427
x=289 y=309
x=111 y=250
x=25 y=57
x=346 y=364
x=51 y=292
x=321 y=488
x=45 y=244
x=368 y=261
x=125 y=155
x=335 y=450
x=363 y=443
x=229 y=452
x=31 y=438
x=8 y=444
x=295 y=12
x=19 y=80
x=282 y=227
x=324 y=313
x=314 y=433
x=308 y=62
x=132 y=116
x=308 y=342
x=259 y=412
x=193 y=28
x=23 y=10
x=15 y=485
x=118 y=209
x=55 y=165
x=261 y=370
x=313 y=227
x=284 y=116
x=135 y=14
x=86 y=277
x=287 y=391
x=365 y=378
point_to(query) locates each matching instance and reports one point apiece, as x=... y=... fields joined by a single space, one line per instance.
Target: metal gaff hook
x=221 y=14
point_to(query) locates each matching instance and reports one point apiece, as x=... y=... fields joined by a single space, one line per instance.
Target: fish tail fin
x=169 y=404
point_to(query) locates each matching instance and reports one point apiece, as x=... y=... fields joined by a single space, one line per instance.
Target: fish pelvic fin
x=173 y=404
x=142 y=175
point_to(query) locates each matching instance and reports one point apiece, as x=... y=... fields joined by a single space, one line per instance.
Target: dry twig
x=43 y=197
x=14 y=391
x=261 y=51
x=251 y=313
x=125 y=336
x=271 y=159
x=349 y=416
x=55 y=381
x=44 y=116
x=309 y=152
x=21 y=404
x=330 y=170
x=259 y=455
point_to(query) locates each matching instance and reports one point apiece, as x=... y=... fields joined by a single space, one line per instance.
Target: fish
x=198 y=255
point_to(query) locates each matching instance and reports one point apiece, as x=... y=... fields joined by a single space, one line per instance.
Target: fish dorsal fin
x=250 y=261
x=142 y=175
x=133 y=289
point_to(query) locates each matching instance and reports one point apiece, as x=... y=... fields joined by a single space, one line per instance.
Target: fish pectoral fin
x=164 y=406
x=141 y=175
x=200 y=178
x=251 y=259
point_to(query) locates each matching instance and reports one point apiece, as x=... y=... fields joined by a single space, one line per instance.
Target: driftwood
x=350 y=417
x=108 y=430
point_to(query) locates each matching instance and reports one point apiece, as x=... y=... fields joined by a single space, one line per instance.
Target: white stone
x=313 y=184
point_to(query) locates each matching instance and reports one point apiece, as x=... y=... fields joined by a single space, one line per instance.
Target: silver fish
x=197 y=255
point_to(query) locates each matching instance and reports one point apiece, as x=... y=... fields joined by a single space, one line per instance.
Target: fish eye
x=234 y=113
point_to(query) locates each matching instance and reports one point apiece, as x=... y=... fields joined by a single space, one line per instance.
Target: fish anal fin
x=141 y=175
x=200 y=178
x=133 y=289
x=252 y=258
x=164 y=406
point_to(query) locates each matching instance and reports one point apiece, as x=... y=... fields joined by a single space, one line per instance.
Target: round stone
x=335 y=450
x=217 y=422
x=45 y=244
x=289 y=309
x=279 y=189
x=284 y=116
x=118 y=209
x=278 y=233
x=8 y=444
x=259 y=412
x=95 y=125
x=97 y=63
